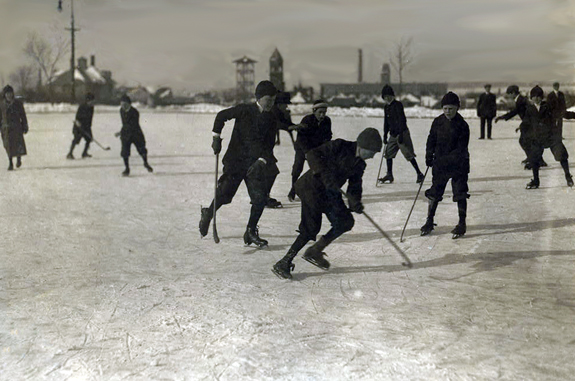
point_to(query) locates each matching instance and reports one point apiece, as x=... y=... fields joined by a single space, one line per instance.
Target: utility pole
x=73 y=31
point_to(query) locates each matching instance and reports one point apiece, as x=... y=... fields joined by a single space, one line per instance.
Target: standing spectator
x=83 y=126
x=556 y=101
x=486 y=110
x=14 y=126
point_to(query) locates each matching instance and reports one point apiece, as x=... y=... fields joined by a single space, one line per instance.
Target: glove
x=256 y=168
x=385 y=139
x=217 y=145
x=400 y=138
x=497 y=119
x=356 y=207
x=429 y=161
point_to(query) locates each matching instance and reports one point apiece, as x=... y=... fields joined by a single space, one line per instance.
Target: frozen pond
x=106 y=278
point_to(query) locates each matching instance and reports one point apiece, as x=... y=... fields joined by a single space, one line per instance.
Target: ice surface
x=106 y=278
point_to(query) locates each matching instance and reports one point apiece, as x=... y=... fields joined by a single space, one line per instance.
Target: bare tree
x=401 y=58
x=22 y=78
x=45 y=55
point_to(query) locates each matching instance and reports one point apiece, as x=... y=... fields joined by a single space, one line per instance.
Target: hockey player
x=83 y=126
x=131 y=133
x=486 y=111
x=395 y=125
x=447 y=153
x=13 y=126
x=249 y=158
x=543 y=133
x=520 y=101
x=313 y=130
x=331 y=166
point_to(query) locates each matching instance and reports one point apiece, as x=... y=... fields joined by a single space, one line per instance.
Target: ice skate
x=316 y=258
x=273 y=204
x=148 y=167
x=11 y=167
x=459 y=231
x=205 y=220
x=569 y=179
x=386 y=179
x=283 y=269
x=533 y=184
x=252 y=236
x=126 y=172
x=428 y=227
x=18 y=162
x=70 y=156
x=86 y=155
x=420 y=178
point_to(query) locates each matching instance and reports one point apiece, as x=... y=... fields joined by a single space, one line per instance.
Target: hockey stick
x=216 y=237
x=92 y=139
x=379 y=171
x=413 y=206
x=407 y=261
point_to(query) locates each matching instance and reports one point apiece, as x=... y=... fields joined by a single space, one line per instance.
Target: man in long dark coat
x=249 y=158
x=486 y=111
x=14 y=126
x=556 y=101
x=332 y=164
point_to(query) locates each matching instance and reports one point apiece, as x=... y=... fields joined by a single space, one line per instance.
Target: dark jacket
x=130 y=123
x=487 y=106
x=557 y=104
x=394 y=121
x=315 y=134
x=519 y=109
x=253 y=136
x=539 y=123
x=447 y=145
x=84 y=116
x=13 y=125
x=333 y=164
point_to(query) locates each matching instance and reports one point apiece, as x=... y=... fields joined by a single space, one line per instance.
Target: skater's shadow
x=406 y=196
x=270 y=248
x=182 y=173
x=483 y=262
x=498 y=178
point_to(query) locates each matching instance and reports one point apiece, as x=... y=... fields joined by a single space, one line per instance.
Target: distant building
x=367 y=90
x=87 y=78
x=277 y=70
x=245 y=78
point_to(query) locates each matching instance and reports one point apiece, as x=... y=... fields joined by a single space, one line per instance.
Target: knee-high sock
x=298 y=244
x=414 y=163
x=127 y=162
x=72 y=148
x=255 y=214
x=86 y=148
x=565 y=165
x=462 y=210
x=535 y=169
x=389 y=163
x=431 y=209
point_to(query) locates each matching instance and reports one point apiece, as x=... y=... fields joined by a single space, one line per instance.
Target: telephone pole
x=73 y=31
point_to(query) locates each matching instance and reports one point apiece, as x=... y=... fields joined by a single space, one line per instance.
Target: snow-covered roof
x=410 y=97
x=94 y=75
x=298 y=98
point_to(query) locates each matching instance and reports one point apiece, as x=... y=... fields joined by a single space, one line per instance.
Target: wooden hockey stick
x=413 y=206
x=216 y=237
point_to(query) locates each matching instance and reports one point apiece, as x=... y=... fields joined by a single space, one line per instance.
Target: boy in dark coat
x=331 y=165
x=519 y=109
x=249 y=158
x=543 y=133
x=13 y=126
x=83 y=126
x=446 y=151
x=556 y=101
x=131 y=133
x=486 y=110
x=313 y=130
x=395 y=124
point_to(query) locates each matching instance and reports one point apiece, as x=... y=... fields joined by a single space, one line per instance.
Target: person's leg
x=535 y=158
x=18 y=161
x=389 y=153
x=482 y=128
x=434 y=195
x=125 y=153
x=75 y=141
x=460 y=188
x=489 y=127
x=10 y=163
x=259 y=190
x=406 y=147
x=140 y=143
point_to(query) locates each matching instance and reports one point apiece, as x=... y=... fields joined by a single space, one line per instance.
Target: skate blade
x=317 y=265
x=456 y=236
x=279 y=275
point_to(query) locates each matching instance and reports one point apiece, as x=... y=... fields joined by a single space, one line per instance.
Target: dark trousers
x=489 y=125
x=554 y=143
x=258 y=189
x=298 y=164
x=78 y=136
x=136 y=139
x=439 y=183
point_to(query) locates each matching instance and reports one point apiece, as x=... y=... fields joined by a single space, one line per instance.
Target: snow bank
x=206 y=108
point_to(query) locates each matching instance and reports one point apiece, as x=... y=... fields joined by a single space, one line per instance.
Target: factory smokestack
x=360 y=67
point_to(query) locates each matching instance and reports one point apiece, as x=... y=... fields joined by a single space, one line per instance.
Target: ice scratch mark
x=128 y=346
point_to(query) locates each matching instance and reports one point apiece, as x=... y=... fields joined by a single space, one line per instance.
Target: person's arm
x=386 y=124
x=221 y=118
x=319 y=160
x=355 y=190
x=430 y=145
x=479 y=104
x=23 y=118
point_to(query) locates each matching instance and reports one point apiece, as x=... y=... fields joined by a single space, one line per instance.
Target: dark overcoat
x=14 y=125
x=447 y=146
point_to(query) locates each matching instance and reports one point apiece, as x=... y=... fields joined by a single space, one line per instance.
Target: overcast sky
x=190 y=44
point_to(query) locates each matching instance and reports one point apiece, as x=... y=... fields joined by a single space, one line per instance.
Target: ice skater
x=83 y=126
x=395 y=124
x=313 y=130
x=249 y=158
x=542 y=132
x=131 y=133
x=331 y=165
x=447 y=153
x=13 y=126
x=486 y=111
